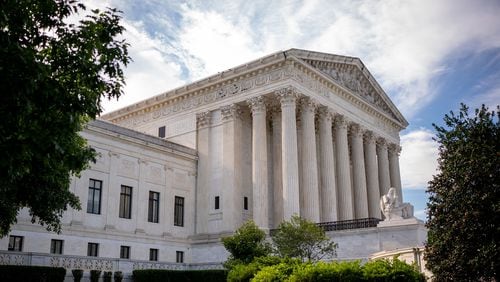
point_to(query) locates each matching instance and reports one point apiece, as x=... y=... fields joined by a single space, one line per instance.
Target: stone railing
x=91 y=263
x=349 y=224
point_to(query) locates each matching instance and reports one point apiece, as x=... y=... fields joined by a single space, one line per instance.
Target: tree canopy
x=464 y=198
x=53 y=75
x=247 y=243
x=299 y=238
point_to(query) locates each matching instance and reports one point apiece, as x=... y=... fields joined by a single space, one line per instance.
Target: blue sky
x=427 y=55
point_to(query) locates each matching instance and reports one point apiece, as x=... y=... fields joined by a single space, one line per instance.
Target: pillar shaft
x=345 y=201
x=394 y=170
x=309 y=168
x=203 y=147
x=383 y=166
x=372 y=183
x=259 y=162
x=327 y=168
x=359 y=175
x=289 y=154
x=277 y=168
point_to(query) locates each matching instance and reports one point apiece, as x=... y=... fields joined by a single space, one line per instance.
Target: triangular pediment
x=352 y=75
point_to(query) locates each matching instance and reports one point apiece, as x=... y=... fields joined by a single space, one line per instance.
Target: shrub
x=31 y=273
x=152 y=275
x=333 y=271
x=391 y=270
x=245 y=272
x=278 y=272
x=94 y=275
x=106 y=276
x=77 y=274
x=118 y=276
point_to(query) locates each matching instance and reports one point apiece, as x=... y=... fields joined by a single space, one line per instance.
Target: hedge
x=153 y=275
x=31 y=273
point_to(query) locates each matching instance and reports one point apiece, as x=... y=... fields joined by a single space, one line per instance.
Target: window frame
x=56 y=246
x=154 y=207
x=125 y=208
x=92 y=249
x=179 y=211
x=92 y=195
x=217 y=202
x=161 y=132
x=179 y=256
x=124 y=252
x=153 y=254
x=15 y=243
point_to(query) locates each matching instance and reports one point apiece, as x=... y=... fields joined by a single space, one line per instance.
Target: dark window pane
x=153 y=254
x=56 y=246
x=179 y=257
x=154 y=207
x=179 y=211
x=217 y=202
x=93 y=249
x=15 y=243
x=124 y=252
x=94 y=196
x=245 y=203
x=161 y=132
x=125 y=202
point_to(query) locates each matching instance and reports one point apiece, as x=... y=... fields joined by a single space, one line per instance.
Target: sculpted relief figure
x=392 y=210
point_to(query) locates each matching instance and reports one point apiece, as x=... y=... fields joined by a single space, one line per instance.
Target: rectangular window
x=16 y=243
x=94 y=197
x=93 y=250
x=179 y=257
x=124 y=252
x=126 y=202
x=216 y=202
x=161 y=132
x=153 y=254
x=245 y=203
x=154 y=206
x=179 y=211
x=56 y=246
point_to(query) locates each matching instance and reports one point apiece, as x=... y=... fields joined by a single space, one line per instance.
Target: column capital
x=394 y=148
x=203 y=119
x=257 y=104
x=340 y=121
x=355 y=129
x=230 y=112
x=287 y=96
x=381 y=142
x=369 y=136
x=325 y=113
x=308 y=105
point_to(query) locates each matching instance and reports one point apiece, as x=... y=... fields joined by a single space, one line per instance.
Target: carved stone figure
x=392 y=209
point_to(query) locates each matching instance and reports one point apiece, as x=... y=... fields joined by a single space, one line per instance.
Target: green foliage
x=391 y=270
x=299 y=238
x=31 y=273
x=276 y=273
x=332 y=271
x=245 y=272
x=77 y=274
x=94 y=275
x=53 y=76
x=157 y=275
x=464 y=198
x=247 y=243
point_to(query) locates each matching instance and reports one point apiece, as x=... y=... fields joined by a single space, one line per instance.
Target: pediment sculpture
x=393 y=209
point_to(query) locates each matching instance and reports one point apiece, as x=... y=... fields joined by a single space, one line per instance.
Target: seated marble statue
x=392 y=209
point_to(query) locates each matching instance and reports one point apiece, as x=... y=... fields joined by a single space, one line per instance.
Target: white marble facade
x=295 y=132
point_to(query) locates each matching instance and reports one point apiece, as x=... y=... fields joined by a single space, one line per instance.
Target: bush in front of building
x=31 y=273
x=153 y=275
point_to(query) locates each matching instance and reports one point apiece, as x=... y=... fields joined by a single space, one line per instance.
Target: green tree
x=464 y=198
x=53 y=75
x=247 y=243
x=299 y=238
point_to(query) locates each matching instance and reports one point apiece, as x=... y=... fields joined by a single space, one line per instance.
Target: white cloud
x=418 y=158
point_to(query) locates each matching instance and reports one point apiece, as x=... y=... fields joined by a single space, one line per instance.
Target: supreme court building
x=295 y=132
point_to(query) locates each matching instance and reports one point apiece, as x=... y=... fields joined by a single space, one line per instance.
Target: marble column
x=358 y=171
x=231 y=199
x=259 y=162
x=289 y=154
x=345 y=201
x=372 y=183
x=395 y=175
x=203 y=184
x=327 y=168
x=383 y=166
x=309 y=171
x=277 y=168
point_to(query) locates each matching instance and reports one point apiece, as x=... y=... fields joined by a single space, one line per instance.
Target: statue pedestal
x=399 y=221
